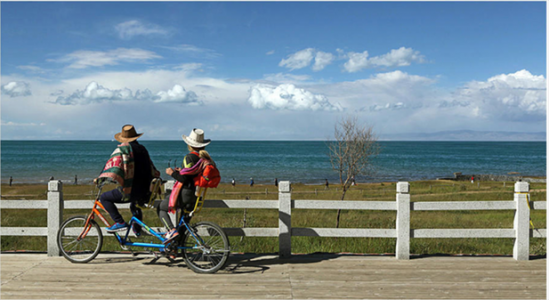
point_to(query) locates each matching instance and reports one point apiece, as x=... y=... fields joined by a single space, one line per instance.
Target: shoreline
x=457 y=178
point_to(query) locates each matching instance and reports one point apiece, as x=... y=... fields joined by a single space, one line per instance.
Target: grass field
x=420 y=191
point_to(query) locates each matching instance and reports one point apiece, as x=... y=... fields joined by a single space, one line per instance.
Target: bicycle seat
x=156 y=192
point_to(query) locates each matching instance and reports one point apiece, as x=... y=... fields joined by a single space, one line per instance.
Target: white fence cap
x=284 y=187
x=55 y=186
x=522 y=187
x=403 y=187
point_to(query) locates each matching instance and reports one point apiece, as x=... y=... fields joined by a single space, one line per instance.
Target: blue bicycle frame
x=124 y=240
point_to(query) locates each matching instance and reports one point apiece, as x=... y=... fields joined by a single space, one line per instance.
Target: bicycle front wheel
x=206 y=249
x=79 y=243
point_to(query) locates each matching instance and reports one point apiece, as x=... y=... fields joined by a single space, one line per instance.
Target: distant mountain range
x=467 y=135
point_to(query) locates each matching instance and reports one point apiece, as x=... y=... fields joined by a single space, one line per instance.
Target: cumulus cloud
x=16 y=89
x=518 y=96
x=322 y=59
x=298 y=60
x=395 y=58
x=130 y=29
x=95 y=93
x=178 y=94
x=289 y=97
x=83 y=59
x=356 y=62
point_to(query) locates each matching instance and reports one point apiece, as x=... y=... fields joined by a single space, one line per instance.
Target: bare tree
x=351 y=152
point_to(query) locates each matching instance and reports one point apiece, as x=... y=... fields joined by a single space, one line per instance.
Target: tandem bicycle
x=204 y=246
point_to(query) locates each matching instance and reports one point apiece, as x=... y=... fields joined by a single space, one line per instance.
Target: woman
x=186 y=199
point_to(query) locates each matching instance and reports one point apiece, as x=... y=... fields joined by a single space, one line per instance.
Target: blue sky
x=278 y=70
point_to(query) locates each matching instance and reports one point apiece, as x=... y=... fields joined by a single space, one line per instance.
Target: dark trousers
x=186 y=201
x=108 y=199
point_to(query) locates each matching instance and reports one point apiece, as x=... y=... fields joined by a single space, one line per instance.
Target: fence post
x=55 y=215
x=284 y=219
x=521 y=250
x=403 y=221
x=168 y=187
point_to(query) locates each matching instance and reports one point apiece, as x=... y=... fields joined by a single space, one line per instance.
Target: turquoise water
x=297 y=161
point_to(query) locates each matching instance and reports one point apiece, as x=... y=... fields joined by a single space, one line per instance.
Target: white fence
x=521 y=231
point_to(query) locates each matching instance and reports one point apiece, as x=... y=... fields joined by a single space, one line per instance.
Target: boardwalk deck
x=121 y=276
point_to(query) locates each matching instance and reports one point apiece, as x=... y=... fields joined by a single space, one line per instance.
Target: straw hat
x=127 y=134
x=196 y=139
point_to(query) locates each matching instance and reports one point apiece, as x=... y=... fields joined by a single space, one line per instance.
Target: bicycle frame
x=124 y=240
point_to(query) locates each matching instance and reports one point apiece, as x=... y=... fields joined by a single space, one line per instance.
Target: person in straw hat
x=196 y=144
x=131 y=166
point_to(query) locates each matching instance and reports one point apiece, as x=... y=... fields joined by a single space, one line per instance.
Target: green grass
x=433 y=191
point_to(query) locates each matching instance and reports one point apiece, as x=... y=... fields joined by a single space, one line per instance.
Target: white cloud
x=83 y=59
x=322 y=59
x=32 y=69
x=16 y=89
x=10 y=123
x=356 y=62
x=388 y=106
x=518 y=96
x=95 y=93
x=270 y=52
x=298 y=60
x=189 y=67
x=178 y=94
x=288 y=96
x=303 y=58
x=395 y=58
x=130 y=29
x=195 y=51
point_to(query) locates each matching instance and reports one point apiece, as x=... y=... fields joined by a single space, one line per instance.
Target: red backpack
x=209 y=177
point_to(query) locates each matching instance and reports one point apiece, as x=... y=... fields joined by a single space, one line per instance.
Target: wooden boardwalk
x=121 y=276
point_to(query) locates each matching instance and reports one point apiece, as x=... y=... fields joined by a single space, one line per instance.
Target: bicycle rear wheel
x=77 y=243
x=209 y=251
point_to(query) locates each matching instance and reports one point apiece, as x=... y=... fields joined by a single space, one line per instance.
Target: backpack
x=209 y=177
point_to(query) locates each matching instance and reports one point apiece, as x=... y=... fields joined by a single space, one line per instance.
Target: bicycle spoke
x=73 y=245
x=211 y=248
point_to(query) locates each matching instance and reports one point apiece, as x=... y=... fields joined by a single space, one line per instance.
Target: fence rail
x=521 y=231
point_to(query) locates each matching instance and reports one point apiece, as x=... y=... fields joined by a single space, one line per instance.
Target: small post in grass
x=55 y=215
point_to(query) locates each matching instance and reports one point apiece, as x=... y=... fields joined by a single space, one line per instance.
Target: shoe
x=118 y=227
x=170 y=235
x=136 y=229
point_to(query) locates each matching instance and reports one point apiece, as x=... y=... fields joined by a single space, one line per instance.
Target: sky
x=270 y=70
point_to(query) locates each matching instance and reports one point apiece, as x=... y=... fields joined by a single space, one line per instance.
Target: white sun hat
x=196 y=139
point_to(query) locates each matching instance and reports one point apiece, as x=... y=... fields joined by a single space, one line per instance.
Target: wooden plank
x=24 y=231
x=464 y=205
x=538 y=205
x=344 y=232
x=353 y=205
x=462 y=233
x=538 y=233
x=265 y=204
x=329 y=276
x=24 y=204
